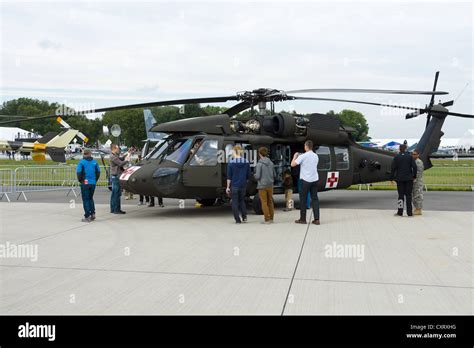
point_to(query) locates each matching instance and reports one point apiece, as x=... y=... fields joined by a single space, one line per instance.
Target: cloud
x=48 y=44
x=117 y=52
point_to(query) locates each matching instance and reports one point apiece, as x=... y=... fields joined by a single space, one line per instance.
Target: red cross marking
x=332 y=180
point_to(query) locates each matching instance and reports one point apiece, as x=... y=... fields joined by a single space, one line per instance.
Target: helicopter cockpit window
x=342 y=158
x=324 y=155
x=157 y=150
x=178 y=151
x=206 y=154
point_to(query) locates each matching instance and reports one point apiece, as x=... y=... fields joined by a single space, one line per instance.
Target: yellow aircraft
x=52 y=144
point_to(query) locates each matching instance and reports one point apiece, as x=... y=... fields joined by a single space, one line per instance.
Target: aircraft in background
x=155 y=138
x=52 y=144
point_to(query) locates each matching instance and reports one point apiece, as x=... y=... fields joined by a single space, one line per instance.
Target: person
x=141 y=198
x=116 y=168
x=196 y=146
x=288 y=187
x=151 y=201
x=128 y=195
x=238 y=172
x=88 y=172
x=308 y=197
x=404 y=172
x=309 y=177
x=417 y=193
x=265 y=176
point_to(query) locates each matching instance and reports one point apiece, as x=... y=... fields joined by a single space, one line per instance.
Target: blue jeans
x=238 y=202
x=116 y=193
x=308 y=198
x=87 y=193
x=312 y=188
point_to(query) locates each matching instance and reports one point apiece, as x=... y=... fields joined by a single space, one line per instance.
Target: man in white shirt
x=309 y=177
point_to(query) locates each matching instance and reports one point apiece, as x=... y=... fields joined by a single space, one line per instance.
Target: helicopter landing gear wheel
x=257 y=205
x=209 y=202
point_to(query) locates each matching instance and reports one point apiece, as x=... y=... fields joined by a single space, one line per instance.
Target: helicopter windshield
x=178 y=151
x=159 y=148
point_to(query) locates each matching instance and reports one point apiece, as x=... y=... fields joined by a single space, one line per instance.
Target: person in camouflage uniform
x=417 y=194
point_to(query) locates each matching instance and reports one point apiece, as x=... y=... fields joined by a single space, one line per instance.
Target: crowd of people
x=407 y=171
x=238 y=174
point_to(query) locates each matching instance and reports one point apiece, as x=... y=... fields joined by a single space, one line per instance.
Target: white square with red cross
x=332 y=180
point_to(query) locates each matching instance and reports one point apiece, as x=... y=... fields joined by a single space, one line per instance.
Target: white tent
x=10 y=133
x=446 y=143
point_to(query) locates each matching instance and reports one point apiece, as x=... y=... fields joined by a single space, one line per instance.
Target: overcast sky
x=106 y=53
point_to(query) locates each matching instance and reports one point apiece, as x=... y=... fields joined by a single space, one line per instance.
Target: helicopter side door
x=334 y=167
x=202 y=169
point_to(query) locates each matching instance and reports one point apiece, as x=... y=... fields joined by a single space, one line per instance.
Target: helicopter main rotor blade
x=359 y=102
x=164 y=103
x=25 y=117
x=238 y=108
x=131 y=106
x=362 y=90
x=28 y=118
x=457 y=114
x=417 y=110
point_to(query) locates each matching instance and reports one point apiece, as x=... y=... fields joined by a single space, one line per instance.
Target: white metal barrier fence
x=437 y=178
x=25 y=179
x=7 y=184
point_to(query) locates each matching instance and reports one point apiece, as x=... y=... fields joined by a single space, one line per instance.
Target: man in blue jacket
x=238 y=172
x=88 y=172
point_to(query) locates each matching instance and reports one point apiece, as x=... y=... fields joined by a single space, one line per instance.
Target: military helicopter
x=191 y=162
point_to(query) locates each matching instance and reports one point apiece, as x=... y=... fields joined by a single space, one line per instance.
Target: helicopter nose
x=165 y=179
x=128 y=178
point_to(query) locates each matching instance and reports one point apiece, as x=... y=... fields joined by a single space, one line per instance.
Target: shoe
x=244 y=218
x=316 y=222
x=162 y=205
x=86 y=219
x=150 y=205
x=238 y=222
x=93 y=217
x=417 y=211
x=300 y=222
x=396 y=214
x=120 y=212
x=410 y=215
x=140 y=203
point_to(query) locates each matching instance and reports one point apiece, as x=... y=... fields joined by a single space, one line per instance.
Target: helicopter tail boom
x=431 y=137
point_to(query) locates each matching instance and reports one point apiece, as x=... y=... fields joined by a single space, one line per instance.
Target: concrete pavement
x=337 y=199
x=196 y=261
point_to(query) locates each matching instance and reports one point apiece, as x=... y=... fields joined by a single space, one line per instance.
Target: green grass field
x=445 y=175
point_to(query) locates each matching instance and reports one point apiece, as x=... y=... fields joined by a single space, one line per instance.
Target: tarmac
x=187 y=260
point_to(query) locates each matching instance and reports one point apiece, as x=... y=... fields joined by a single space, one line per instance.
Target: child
x=288 y=187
